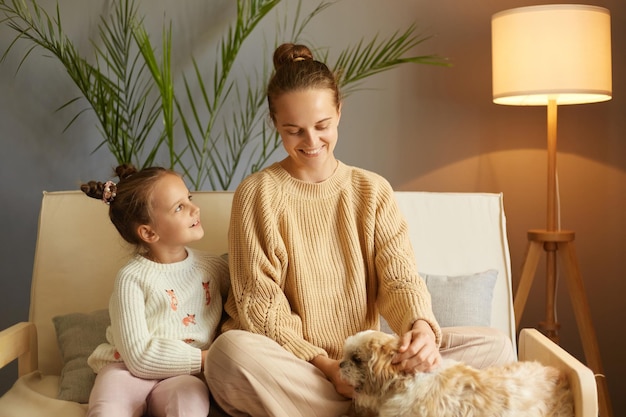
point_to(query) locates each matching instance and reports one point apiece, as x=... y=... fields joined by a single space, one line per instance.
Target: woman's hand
x=418 y=351
x=330 y=368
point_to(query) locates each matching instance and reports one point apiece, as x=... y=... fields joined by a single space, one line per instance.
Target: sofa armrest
x=19 y=342
x=533 y=345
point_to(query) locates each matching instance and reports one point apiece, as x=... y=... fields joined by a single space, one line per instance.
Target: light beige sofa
x=456 y=237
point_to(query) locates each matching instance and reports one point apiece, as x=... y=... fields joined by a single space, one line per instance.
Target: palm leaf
x=129 y=85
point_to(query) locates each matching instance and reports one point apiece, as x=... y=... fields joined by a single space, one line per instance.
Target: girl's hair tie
x=109 y=192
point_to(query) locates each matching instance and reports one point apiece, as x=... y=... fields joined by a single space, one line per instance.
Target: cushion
x=78 y=334
x=463 y=300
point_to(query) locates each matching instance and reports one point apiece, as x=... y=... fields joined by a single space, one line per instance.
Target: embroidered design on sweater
x=190 y=319
x=207 y=293
x=173 y=299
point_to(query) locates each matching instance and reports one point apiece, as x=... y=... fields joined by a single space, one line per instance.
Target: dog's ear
x=390 y=346
x=383 y=352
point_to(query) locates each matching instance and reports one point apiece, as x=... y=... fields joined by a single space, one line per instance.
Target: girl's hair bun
x=125 y=170
x=106 y=191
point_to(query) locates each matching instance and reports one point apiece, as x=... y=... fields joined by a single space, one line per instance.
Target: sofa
x=460 y=244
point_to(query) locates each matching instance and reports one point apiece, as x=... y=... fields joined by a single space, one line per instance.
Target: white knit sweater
x=163 y=315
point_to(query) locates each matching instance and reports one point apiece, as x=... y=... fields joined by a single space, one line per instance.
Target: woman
x=318 y=250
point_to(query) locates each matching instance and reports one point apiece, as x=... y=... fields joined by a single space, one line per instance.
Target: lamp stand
x=558 y=243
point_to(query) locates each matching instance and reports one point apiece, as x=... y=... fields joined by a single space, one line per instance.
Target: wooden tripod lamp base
x=560 y=244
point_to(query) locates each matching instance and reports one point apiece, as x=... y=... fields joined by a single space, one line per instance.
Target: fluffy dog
x=454 y=389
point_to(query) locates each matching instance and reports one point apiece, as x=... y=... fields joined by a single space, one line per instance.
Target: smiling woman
x=317 y=251
x=307 y=124
x=305 y=106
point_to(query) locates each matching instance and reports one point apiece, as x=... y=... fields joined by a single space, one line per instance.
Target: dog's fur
x=454 y=389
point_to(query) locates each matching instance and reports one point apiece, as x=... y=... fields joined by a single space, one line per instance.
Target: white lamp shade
x=552 y=52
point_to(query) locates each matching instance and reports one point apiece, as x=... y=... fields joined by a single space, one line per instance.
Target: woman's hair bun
x=289 y=53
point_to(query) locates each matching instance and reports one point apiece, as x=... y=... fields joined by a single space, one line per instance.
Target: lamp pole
x=554 y=241
x=550 y=326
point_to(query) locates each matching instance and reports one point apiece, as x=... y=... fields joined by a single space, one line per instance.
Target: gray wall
x=424 y=128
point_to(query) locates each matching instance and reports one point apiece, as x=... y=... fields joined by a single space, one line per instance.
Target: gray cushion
x=463 y=300
x=78 y=334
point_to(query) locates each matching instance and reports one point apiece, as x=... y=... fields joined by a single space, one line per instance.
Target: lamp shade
x=556 y=52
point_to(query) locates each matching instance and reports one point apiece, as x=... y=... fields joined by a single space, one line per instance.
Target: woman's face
x=307 y=123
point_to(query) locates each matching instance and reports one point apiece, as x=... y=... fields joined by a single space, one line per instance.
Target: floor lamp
x=554 y=55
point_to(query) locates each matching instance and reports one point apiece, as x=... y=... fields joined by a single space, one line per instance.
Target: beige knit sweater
x=312 y=264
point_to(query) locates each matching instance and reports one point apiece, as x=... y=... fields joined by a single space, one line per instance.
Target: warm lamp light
x=554 y=55
x=560 y=52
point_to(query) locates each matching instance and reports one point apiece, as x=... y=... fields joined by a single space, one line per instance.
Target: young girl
x=166 y=302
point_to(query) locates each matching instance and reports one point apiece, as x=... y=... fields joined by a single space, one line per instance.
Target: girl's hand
x=418 y=351
x=330 y=368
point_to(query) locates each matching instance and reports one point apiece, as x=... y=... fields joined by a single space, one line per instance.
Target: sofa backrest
x=78 y=251
x=458 y=234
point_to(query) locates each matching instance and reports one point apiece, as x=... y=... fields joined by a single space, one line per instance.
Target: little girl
x=166 y=302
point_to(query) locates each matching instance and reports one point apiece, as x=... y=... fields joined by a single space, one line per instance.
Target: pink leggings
x=118 y=393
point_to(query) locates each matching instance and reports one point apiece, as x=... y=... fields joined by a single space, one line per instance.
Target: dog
x=454 y=389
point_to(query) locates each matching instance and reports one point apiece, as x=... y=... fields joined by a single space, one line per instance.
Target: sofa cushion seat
x=35 y=395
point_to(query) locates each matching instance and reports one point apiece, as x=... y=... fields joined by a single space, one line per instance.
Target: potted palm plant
x=211 y=128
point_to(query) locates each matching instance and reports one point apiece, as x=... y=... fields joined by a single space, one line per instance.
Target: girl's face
x=307 y=123
x=175 y=219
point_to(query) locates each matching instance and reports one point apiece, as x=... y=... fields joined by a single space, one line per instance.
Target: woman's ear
x=339 y=113
x=147 y=234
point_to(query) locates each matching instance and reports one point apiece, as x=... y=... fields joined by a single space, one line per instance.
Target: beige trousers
x=251 y=375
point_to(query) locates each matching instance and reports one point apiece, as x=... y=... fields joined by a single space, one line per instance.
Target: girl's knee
x=183 y=395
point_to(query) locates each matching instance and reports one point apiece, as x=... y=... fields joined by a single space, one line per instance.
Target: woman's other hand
x=418 y=351
x=330 y=368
